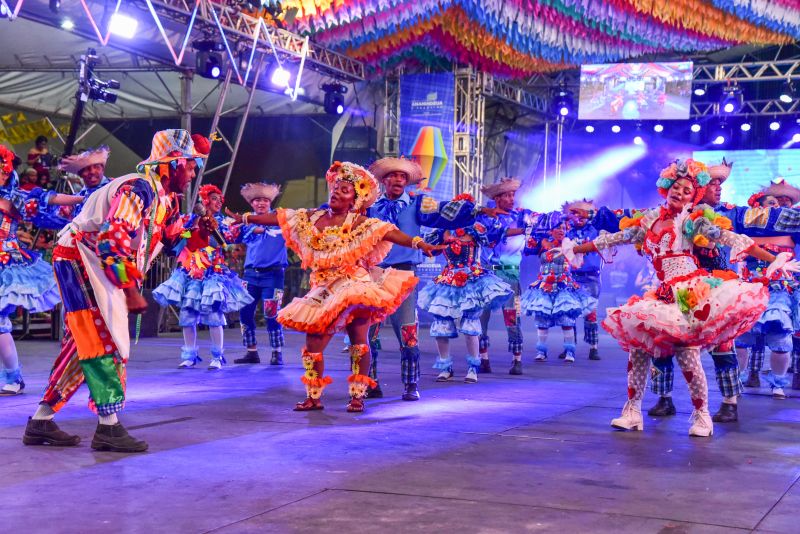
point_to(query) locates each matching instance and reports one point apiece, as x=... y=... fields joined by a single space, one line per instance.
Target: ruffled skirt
x=780 y=315
x=218 y=292
x=713 y=317
x=332 y=305
x=30 y=284
x=445 y=300
x=558 y=308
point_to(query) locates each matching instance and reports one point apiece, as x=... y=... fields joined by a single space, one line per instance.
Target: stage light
x=209 y=65
x=695 y=128
x=589 y=128
x=638 y=140
x=745 y=126
x=787 y=92
x=67 y=25
x=562 y=101
x=732 y=99
x=719 y=140
x=280 y=77
x=616 y=128
x=699 y=90
x=334 y=98
x=123 y=25
x=796 y=138
x=55 y=6
x=774 y=125
x=4 y=13
x=658 y=128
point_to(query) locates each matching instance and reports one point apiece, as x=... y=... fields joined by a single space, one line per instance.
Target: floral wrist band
x=415 y=241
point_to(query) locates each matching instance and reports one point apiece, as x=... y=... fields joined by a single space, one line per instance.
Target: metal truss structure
x=391 y=116
x=752 y=108
x=468 y=138
x=758 y=71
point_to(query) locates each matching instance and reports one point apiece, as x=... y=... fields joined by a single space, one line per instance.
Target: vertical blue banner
x=427 y=112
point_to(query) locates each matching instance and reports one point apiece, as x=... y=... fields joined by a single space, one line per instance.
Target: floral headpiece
x=755 y=199
x=6 y=159
x=694 y=171
x=364 y=183
x=209 y=189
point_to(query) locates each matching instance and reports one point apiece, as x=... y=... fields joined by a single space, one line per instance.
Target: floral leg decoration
x=313 y=381
x=358 y=382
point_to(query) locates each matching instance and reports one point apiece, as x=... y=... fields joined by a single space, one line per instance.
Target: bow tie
x=388 y=210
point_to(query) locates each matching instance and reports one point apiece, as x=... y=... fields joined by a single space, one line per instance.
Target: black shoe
x=374 y=393
x=277 y=358
x=115 y=438
x=753 y=381
x=411 y=393
x=796 y=381
x=727 y=413
x=662 y=408
x=251 y=357
x=516 y=368
x=485 y=367
x=562 y=355
x=593 y=354
x=46 y=432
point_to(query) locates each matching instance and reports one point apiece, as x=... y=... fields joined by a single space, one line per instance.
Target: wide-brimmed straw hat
x=384 y=166
x=504 y=185
x=781 y=188
x=720 y=171
x=77 y=162
x=255 y=190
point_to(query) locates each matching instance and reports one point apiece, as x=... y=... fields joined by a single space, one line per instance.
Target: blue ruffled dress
x=26 y=280
x=464 y=288
x=202 y=285
x=554 y=298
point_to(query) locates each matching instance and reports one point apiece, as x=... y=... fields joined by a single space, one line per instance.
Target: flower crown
x=755 y=199
x=365 y=185
x=6 y=159
x=694 y=171
x=209 y=189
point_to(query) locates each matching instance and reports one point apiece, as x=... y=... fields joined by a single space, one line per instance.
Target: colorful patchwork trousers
x=88 y=354
x=511 y=315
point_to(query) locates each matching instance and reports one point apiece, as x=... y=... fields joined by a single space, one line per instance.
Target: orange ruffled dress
x=345 y=281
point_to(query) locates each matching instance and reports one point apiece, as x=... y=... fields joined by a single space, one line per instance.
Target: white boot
x=631 y=418
x=701 y=424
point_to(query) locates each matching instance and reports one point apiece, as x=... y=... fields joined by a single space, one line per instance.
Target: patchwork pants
x=511 y=314
x=405 y=326
x=590 y=282
x=266 y=286
x=88 y=354
x=726 y=369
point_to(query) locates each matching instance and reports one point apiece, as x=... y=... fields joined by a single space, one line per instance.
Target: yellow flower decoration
x=700 y=240
x=723 y=222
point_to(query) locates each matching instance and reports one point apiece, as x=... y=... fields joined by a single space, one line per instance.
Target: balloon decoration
x=517 y=38
x=430 y=153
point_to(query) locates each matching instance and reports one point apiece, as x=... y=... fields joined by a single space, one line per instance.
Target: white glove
x=784 y=263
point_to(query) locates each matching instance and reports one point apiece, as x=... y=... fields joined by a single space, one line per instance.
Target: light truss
x=758 y=71
x=749 y=108
x=500 y=90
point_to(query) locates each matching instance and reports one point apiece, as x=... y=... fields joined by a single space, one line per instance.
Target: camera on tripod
x=91 y=88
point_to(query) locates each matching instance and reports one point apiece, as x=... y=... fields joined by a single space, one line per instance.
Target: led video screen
x=636 y=91
x=753 y=169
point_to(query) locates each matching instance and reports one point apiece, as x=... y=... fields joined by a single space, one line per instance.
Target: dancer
x=409 y=211
x=25 y=279
x=99 y=262
x=554 y=298
x=691 y=309
x=504 y=259
x=348 y=292
x=90 y=165
x=457 y=297
x=264 y=265
x=202 y=285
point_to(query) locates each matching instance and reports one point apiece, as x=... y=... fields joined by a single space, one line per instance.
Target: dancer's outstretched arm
x=404 y=240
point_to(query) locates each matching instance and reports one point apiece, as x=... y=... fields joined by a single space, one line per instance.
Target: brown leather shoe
x=46 y=432
x=309 y=405
x=753 y=381
x=662 y=408
x=727 y=413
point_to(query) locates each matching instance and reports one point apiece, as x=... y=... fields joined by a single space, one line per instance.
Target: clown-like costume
x=26 y=280
x=692 y=308
x=343 y=249
x=202 y=285
x=264 y=265
x=409 y=211
x=460 y=293
x=555 y=299
x=98 y=262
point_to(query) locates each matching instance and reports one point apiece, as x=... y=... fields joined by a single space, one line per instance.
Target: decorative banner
x=25 y=132
x=427 y=113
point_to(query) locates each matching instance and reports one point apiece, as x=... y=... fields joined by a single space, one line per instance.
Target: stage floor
x=531 y=453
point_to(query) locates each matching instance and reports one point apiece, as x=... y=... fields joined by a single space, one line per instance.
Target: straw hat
x=171 y=145
x=781 y=188
x=721 y=171
x=384 y=166
x=504 y=185
x=77 y=162
x=255 y=190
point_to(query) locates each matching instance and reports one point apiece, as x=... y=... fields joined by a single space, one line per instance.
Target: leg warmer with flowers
x=359 y=382
x=314 y=383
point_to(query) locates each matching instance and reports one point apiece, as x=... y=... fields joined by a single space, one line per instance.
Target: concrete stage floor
x=533 y=453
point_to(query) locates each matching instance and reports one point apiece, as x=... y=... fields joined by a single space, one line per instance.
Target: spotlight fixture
x=718 y=140
x=745 y=126
x=658 y=128
x=209 y=59
x=563 y=102
x=796 y=138
x=787 y=92
x=67 y=25
x=280 y=77
x=55 y=6
x=589 y=128
x=122 y=25
x=695 y=128
x=732 y=99
x=775 y=125
x=4 y=12
x=616 y=128
x=334 y=98
x=638 y=140
x=699 y=90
